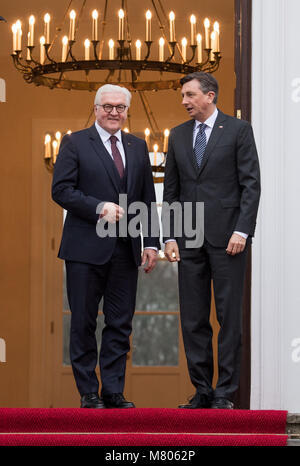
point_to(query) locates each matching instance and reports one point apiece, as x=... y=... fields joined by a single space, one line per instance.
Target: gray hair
x=112 y=88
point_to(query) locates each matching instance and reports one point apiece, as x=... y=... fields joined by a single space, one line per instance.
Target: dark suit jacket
x=84 y=176
x=228 y=181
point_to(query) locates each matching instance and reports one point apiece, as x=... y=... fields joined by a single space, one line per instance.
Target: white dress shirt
x=105 y=137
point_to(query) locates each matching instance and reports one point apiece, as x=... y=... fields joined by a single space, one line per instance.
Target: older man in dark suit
x=94 y=167
x=212 y=159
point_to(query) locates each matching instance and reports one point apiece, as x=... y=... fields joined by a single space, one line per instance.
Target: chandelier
x=86 y=51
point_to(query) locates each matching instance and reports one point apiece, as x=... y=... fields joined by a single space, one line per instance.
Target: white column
x=276 y=246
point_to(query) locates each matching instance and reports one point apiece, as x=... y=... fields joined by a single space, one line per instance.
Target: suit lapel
x=188 y=143
x=217 y=132
x=104 y=156
x=128 y=145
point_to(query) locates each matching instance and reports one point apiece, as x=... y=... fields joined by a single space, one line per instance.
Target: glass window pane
x=158 y=291
x=155 y=340
x=66 y=336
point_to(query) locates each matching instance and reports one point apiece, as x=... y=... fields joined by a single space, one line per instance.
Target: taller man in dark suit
x=212 y=159
x=94 y=167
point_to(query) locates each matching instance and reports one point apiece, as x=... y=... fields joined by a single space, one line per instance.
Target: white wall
x=276 y=247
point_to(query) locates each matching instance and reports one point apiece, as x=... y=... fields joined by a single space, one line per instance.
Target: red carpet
x=141 y=427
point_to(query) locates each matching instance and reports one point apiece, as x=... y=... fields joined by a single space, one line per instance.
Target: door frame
x=42 y=316
x=243 y=68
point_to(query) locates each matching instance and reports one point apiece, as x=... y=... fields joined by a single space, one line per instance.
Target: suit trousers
x=116 y=282
x=197 y=270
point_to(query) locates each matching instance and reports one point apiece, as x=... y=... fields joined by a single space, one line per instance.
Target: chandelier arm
x=59 y=28
x=71 y=43
x=47 y=48
x=150 y=112
x=141 y=95
x=32 y=60
x=19 y=65
x=193 y=48
x=103 y=29
x=166 y=18
x=161 y=26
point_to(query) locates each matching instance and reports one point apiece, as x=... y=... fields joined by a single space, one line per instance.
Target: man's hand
x=172 y=251
x=111 y=212
x=236 y=245
x=150 y=257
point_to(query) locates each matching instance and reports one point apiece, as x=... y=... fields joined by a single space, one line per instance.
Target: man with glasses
x=94 y=167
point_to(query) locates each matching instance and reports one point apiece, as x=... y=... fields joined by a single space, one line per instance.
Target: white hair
x=112 y=88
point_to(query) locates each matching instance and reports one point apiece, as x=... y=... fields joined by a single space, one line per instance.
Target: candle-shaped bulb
x=213 y=45
x=147 y=134
x=87 y=44
x=172 y=26
x=42 y=49
x=14 y=31
x=183 y=48
x=111 y=49
x=72 y=25
x=199 y=48
x=193 y=29
x=95 y=16
x=217 y=31
x=121 y=24
x=207 y=36
x=155 y=149
x=58 y=135
x=126 y=130
x=47 y=27
x=19 y=35
x=166 y=137
x=47 y=146
x=138 y=46
x=161 y=48
x=69 y=132
x=31 y=31
x=64 y=48
x=148 y=25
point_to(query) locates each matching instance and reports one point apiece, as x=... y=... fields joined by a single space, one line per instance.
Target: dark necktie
x=117 y=156
x=200 y=144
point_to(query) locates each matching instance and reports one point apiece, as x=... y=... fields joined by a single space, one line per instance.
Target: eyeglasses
x=108 y=108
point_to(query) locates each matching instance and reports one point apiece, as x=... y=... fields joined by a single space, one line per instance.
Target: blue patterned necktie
x=200 y=144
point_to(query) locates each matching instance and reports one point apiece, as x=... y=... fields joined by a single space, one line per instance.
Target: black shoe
x=92 y=400
x=198 y=401
x=222 y=403
x=116 y=400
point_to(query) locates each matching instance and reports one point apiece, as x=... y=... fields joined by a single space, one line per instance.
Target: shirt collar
x=210 y=120
x=105 y=135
